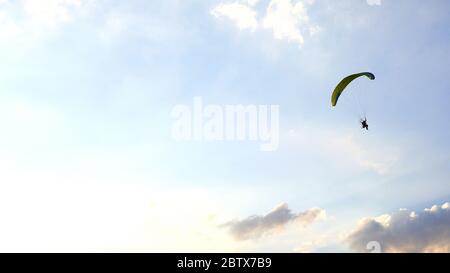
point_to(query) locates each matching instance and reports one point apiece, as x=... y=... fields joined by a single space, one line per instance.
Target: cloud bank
x=256 y=226
x=405 y=231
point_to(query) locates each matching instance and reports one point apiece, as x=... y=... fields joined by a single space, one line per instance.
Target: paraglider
x=364 y=124
x=341 y=87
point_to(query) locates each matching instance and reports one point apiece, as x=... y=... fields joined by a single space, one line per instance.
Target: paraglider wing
x=345 y=82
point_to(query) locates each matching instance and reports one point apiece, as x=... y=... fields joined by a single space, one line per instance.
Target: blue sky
x=87 y=161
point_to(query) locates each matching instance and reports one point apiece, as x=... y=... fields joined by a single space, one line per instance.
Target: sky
x=88 y=161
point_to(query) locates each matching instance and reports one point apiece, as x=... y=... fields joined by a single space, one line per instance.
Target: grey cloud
x=256 y=226
x=405 y=231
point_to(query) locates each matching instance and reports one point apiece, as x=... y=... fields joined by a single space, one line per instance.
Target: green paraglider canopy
x=345 y=82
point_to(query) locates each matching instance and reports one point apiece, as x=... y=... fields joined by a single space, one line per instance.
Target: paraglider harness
x=364 y=124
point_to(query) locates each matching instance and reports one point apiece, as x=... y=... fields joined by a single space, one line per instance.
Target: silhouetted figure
x=364 y=124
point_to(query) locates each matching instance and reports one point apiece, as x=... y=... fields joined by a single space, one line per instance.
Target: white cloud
x=252 y=2
x=256 y=226
x=406 y=231
x=242 y=15
x=286 y=19
x=7 y=27
x=374 y=2
x=31 y=17
x=50 y=12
